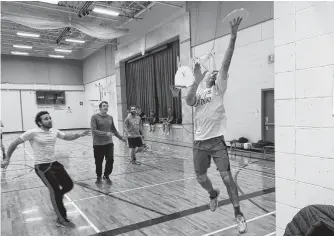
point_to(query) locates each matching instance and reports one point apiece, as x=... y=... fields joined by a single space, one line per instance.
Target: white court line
x=83 y=215
x=154 y=185
x=273 y=233
x=76 y=207
x=233 y=226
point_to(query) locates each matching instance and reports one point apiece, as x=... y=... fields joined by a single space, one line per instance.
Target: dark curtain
x=165 y=64
x=148 y=80
x=140 y=84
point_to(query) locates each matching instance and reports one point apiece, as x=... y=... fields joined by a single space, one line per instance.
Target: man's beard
x=133 y=113
x=47 y=126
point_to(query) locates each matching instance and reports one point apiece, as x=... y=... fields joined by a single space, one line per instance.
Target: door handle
x=271 y=124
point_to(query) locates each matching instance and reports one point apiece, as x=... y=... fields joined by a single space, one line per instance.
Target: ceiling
x=47 y=42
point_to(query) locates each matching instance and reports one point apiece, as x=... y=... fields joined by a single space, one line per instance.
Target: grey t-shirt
x=132 y=124
x=101 y=126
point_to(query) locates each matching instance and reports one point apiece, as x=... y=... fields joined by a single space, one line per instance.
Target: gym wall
x=304 y=49
x=21 y=76
x=249 y=73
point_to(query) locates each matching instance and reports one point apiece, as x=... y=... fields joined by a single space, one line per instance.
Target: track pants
x=101 y=152
x=56 y=179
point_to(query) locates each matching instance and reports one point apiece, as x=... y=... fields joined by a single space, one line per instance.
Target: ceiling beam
x=138 y=3
x=114 y=7
x=139 y=13
x=169 y=4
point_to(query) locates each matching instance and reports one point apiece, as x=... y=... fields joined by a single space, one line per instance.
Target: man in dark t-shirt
x=103 y=128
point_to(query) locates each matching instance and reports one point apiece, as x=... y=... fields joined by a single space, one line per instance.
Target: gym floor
x=159 y=197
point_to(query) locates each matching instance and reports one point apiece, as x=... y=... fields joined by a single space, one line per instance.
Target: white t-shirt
x=43 y=143
x=210 y=118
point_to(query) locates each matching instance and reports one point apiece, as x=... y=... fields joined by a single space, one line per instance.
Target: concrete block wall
x=304 y=69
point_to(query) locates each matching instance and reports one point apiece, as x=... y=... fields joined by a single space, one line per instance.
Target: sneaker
x=135 y=162
x=106 y=178
x=242 y=225
x=65 y=223
x=214 y=201
x=98 y=180
x=145 y=147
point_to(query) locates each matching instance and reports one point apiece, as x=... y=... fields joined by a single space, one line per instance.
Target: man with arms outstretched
x=207 y=96
x=51 y=172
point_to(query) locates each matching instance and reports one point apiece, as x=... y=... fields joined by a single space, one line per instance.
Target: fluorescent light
x=105 y=11
x=74 y=41
x=22 y=46
x=56 y=56
x=62 y=50
x=28 y=34
x=51 y=2
x=20 y=53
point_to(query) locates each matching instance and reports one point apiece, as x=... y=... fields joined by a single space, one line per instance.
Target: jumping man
x=207 y=96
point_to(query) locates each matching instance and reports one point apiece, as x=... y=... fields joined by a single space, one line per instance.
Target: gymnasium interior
x=66 y=57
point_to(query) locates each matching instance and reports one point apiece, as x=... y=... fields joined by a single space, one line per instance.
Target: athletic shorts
x=214 y=148
x=135 y=142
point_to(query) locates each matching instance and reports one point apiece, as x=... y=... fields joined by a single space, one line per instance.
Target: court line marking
x=273 y=233
x=154 y=185
x=235 y=225
x=82 y=214
x=76 y=207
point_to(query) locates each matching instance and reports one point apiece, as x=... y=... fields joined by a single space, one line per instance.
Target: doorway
x=268 y=115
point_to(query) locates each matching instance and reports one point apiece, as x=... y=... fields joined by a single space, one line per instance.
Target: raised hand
x=197 y=73
x=235 y=25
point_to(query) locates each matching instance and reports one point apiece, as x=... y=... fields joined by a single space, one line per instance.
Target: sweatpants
x=101 y=152
x=56 y=179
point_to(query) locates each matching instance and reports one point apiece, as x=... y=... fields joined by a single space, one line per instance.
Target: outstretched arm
x=70 y=137
x=230 y=50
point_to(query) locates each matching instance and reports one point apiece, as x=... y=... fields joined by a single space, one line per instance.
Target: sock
x=237 y=211
x=213 y=194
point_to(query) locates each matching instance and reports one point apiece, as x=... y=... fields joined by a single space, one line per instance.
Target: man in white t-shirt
x=207 y=96
x=51 y=172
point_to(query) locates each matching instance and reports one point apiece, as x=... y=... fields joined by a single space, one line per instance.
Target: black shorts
x=214 y=148
x=135 y=142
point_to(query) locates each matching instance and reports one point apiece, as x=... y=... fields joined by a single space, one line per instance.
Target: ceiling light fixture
x=56 y=56
x=105 y=11
x=74 y=41
x=22 y=46
x=63 y=50
x=25 y=34
x=20 y=53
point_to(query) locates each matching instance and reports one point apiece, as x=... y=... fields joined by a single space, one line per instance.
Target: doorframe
x=262 y=109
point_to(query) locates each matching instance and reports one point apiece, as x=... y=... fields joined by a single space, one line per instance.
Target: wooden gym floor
x=159 y=197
